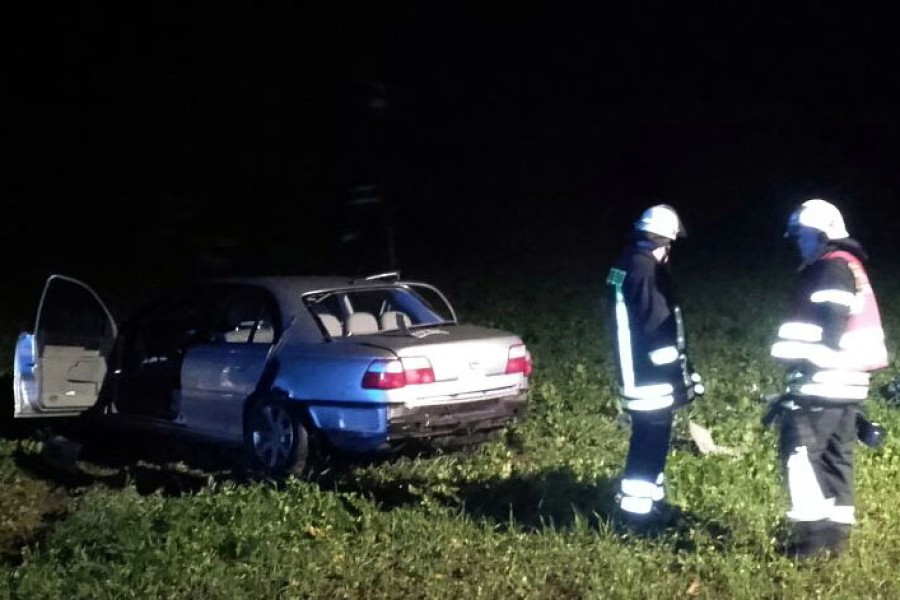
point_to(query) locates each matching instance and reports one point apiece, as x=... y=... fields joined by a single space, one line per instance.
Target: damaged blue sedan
x=273 y=364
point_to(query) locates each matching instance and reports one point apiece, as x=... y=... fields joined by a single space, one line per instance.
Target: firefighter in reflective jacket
x=654 y=373
x=830 y=344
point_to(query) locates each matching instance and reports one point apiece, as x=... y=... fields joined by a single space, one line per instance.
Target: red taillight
x=384 y=375
x=418 y=370
x=390 y=374
x=519 y=360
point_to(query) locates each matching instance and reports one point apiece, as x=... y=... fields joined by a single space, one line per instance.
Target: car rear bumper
x=459 y=420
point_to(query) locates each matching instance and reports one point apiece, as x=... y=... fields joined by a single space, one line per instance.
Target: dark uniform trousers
x=648 y=447
x=828 y=434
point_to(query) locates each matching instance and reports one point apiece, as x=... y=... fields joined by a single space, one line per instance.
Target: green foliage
x=523 y=516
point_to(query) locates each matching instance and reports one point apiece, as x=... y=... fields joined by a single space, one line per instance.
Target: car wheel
x=276 y=440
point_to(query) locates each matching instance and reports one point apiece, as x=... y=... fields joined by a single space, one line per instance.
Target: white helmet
x=661 y=220
x=820 y=215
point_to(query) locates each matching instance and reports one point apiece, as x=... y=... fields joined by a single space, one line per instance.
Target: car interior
x=360 y=323
x=391 y=319
x=367 y=313
x=246 y=320
x=332 y=324
x=363 y=323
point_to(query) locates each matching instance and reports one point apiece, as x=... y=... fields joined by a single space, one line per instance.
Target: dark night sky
x=537 y=132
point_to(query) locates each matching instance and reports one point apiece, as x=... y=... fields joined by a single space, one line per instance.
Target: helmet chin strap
x=662 y=253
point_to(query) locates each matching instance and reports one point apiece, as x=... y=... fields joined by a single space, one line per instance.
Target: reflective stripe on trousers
x=638 y=495
x=817 y=446
x=808 y=503
x=648 y=448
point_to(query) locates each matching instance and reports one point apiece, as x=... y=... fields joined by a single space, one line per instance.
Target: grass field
x=520 y=517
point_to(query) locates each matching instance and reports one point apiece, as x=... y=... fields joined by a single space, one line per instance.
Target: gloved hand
x=869 y=433
x=793 y=379
x=697 y=381
x=692 y=390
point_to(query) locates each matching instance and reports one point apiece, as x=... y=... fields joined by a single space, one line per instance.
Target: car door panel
x=60 y=368
x=215 y=381
x=71 y=376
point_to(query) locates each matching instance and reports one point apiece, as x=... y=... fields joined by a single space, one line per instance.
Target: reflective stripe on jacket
x=647 y=333
x=834 y=338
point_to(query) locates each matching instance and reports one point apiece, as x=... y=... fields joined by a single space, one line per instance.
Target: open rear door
x=60 y=367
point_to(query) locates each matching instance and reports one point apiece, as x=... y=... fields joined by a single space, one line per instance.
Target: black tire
x=275 y=439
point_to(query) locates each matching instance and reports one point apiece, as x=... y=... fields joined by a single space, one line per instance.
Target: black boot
x=837 y=537
x=662 y=517
x=817 y=538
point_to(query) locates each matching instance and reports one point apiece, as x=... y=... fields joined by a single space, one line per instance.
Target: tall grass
x=524 y=516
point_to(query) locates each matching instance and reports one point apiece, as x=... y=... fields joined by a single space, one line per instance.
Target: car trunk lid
x=469 y=361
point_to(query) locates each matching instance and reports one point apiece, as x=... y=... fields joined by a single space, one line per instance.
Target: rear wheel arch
x=298 y=408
